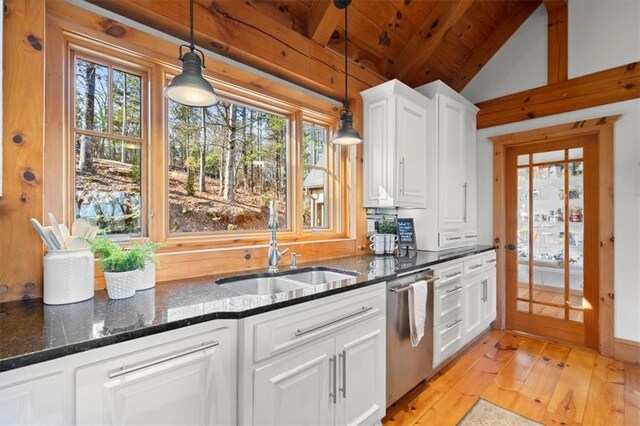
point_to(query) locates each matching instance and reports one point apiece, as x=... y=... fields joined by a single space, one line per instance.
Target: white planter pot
x=68 y=276
x=149 y=280
x=121 y=285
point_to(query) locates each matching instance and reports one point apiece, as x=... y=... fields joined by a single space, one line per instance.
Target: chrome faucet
x=274 y=255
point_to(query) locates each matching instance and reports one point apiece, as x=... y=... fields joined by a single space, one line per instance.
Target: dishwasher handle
x=403 y=289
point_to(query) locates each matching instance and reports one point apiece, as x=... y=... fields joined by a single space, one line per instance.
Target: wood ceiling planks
x=416 y=41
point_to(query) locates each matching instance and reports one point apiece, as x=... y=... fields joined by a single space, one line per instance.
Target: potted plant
x=123 y=269
x=150 y=262
x=388 y=228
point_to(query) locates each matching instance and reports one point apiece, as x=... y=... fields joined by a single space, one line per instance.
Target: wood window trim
x=68 y=25
x=603 y=129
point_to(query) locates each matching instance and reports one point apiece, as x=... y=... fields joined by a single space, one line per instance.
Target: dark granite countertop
x=32 y=332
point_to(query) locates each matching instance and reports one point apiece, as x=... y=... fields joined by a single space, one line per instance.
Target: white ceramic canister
x=68 y=276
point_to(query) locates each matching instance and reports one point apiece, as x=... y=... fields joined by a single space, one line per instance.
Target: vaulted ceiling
x=416 y=41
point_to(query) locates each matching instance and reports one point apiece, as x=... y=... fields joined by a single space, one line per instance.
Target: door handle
x=511 y=247
x=333 y=378
x=343 y=357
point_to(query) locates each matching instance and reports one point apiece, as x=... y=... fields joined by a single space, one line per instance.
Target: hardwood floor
x=548 y=382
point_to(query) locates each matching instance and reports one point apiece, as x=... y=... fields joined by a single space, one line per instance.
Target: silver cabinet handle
x=456 y=288
x=126 y=370
x=453 y=275
x=402 y=175
x=343 y=356
x=454 y=324
x=403 y=289
x=491 y=261
x=333 y=378
x=301 y=331
x=475 y=266
x=453 y=238
x=464 y=186
x=471 y=236
x=484 y=290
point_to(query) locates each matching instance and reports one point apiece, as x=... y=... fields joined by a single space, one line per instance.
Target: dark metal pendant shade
x=346 y=134
x=189 y=87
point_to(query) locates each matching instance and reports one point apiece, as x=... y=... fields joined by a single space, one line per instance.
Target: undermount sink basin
x=319 y=277
x=264 y=285
x=306 y=278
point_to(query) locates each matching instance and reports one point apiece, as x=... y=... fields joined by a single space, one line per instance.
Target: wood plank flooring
x=548 y=382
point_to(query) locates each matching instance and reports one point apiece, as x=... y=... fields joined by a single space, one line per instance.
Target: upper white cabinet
x=450 y=219
x=395 y=148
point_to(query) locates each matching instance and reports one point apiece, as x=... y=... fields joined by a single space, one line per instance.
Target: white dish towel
x=417 y=310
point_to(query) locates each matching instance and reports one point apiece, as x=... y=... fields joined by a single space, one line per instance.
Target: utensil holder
x=68 y=276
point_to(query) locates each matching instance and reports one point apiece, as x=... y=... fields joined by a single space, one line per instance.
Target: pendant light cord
x=191 y=46
x=346 y=73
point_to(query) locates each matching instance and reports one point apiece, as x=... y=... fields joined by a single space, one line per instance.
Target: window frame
x=154 y=127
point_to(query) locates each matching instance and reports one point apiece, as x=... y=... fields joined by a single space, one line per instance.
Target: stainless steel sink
x=319 y=277
x=264 y=285
x=305 y=279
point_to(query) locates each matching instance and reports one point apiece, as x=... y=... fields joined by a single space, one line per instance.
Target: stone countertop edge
x=39 y=355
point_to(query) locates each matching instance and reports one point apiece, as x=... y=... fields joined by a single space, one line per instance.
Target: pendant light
x=190 y=88
x=346 y=134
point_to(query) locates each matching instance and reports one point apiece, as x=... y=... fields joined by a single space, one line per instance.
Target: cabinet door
x=297 y=388
x=471 y=174
x=186 y=382
x=411 y=148
x=361 y=373
x=34 y=401
x=451 y=163
x=379 y=160
x=447 y=339
x=473 y=304
x=489 y=306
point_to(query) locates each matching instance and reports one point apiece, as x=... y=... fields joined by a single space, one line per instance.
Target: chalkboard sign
x=406 y=233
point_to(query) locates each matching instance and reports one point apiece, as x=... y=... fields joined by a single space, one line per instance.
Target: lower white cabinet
x=187 y=381
x=473 y=322
x=320 y=362
x=490 y=294
x=32 y=399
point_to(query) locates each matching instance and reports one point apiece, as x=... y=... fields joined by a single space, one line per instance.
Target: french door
x=552 y=236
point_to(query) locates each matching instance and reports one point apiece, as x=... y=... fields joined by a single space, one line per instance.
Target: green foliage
x=114 y=258
x=387 y=226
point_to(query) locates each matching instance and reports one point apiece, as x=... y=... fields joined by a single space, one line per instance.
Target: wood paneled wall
x=22 y=141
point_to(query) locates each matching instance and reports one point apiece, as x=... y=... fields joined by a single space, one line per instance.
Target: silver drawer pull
x=475 y=266
x=403 y=289
x=453 y=275
x=300 y=332
x=470 y=236
x=454 y=323
x=343 y=356
x=491 y=261
x=453 y=238
x=126 y=370
x=454 y=289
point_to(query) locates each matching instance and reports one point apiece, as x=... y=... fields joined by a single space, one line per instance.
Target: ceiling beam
x=424 y=43
x=235 y=29
x=323 y=19
x=482 y=54
x=613 y=85
x=557 y=40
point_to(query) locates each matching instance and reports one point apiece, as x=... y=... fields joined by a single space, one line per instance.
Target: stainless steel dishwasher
x=407 y=366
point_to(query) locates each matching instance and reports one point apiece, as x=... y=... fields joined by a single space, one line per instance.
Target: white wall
x=602 y=34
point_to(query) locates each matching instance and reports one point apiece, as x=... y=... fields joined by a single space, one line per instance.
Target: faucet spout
x=274 y=256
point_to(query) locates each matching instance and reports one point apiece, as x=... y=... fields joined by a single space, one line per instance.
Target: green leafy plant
x=387 y=226
x=114 y=258
x=149 y=249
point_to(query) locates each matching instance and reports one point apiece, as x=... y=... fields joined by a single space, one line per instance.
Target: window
x=315 y=183
x=225 y=163
x=108 y=143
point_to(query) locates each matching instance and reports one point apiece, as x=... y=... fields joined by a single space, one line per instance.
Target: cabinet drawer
x=291 y=327
x=447 y=239
x=490 y=259
x=470 y=237
x=447 y=339
x=447 y=303
x=473 y=266
x=450 y=273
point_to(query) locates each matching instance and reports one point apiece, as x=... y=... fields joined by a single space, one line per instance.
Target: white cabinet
x=32 y=397
x=321 y=362
x=450 y=217
x=395 y=149
x=473 y=322
x=187 y=381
